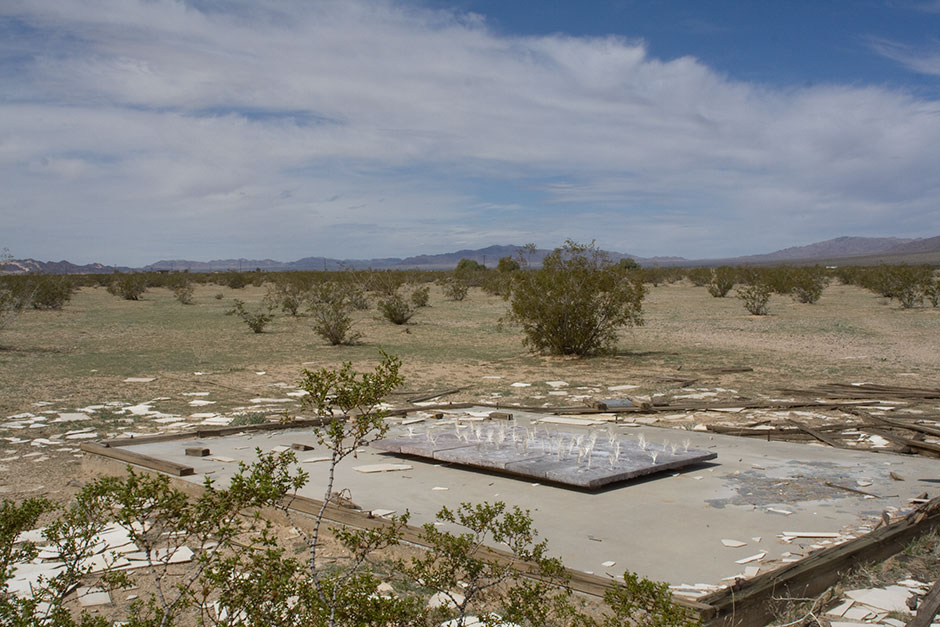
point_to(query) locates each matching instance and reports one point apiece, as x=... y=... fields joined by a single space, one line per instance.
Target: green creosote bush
x=576 y=302
x=183 y=293
x=256 y=320
x=932 y=293
x=456 y=288
x=289 y=292
x=699 y=277
x=806 y=284
x=128 y=286
x=51 y=291
x=421 y=296
x=396 y=308
x=756 y=297
x=507 y=265
x=331 y=303
x=233 y=279
x=721 y=281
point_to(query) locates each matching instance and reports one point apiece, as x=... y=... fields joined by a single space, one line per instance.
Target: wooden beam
x=816 y=434
x=747 y=603
x=929 y=607
x=154 y=463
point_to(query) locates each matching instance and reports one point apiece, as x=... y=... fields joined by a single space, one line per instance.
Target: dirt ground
x=105 y=367
x=68 y=374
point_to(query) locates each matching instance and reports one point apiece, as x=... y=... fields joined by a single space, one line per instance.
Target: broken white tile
x=370 y=468
x=777 y=510
x=751 y=558
x=272 y=400
x=381 y=513
x=222 y=458
x=200 y=403
x=90 y=597
x=195 y=394
x=438 y=488
x=617 y=388
x=608 y=563
x=733 y=543
x=751 y=571
x=889 y=599
x=841 y=609
x=82 y=436
x=139 y=379
x=810 y=534
x=561 y=420
x=314 y=460
x=71 y=417
x=520 y=384
x=557 y=384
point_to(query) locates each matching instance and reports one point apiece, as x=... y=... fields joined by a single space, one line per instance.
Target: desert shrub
x=219 y=296
x=756 y=296
x=385 y=283
x=932 y=293
x=628 y=263
x=639 y=601
x=420 y=296
x=233 y=279
x=576 y=302
x=51 y=291
x=181 y=286
x=183 y=293
x=289 y=293
x=507 y=265
x=330 y=305
x=15 y=295
x=128 y=286
x=699 y=277
x=807 y=284
x=256 y=320
x=721 y=280
x=456 y=288
x=396 y=308
x=468 y=266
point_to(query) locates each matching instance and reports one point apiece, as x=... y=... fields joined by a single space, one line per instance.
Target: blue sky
x=138 y=130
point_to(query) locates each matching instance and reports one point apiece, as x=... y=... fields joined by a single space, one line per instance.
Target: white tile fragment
x=733 y=543
x=370 y=468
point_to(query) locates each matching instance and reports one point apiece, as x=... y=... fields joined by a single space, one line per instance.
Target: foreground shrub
x=421 y=296
x=456 y=288
x=756 y=297
x=128 y=286
x=807 y=284
x=396 y=308
x=721 y=281
x=290 y=294
x=331 y=303
x=576 y=302
x=256 y=320
x=15 y=295
x=51 y=291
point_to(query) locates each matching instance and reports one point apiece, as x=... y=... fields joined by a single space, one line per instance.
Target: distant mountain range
x=838 y=250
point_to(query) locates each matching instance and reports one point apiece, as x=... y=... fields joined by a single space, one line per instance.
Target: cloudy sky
x=138 y=130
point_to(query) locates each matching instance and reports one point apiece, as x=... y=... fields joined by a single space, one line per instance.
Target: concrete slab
x=668 y=528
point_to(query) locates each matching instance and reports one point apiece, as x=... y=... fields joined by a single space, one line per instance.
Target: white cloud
x=429 y=131
x=917 y=60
